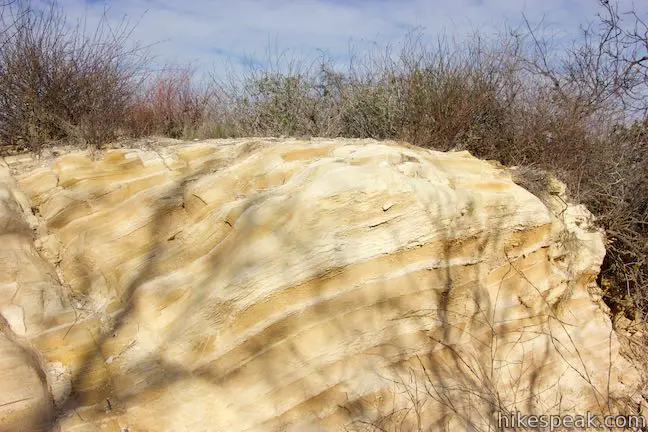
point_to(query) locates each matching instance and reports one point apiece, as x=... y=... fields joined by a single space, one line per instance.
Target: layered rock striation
x=267 y=285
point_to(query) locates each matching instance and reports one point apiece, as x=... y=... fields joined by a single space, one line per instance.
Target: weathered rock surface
x=253 y=285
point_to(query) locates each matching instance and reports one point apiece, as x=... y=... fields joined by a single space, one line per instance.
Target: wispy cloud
x=209 y=33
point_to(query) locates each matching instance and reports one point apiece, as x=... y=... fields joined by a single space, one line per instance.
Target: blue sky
x=213 y=33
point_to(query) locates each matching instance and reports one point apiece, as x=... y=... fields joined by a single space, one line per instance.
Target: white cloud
x=208 y=33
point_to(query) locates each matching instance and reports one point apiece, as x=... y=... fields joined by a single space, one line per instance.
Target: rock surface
x=266 y=285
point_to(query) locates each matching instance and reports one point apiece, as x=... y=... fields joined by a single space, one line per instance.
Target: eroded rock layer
x=265 y=285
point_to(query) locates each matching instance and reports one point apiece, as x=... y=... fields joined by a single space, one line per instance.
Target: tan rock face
x=266 y=285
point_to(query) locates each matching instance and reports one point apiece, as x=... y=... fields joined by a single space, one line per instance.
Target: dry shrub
x=170 y=104
x=297 y=98
x=618 y=193
x=58 y=82
x=536 y=181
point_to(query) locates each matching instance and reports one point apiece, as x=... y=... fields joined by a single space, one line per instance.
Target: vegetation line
x=577 y=112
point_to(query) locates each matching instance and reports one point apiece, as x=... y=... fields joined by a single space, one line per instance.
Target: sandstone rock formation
x=266 y=285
